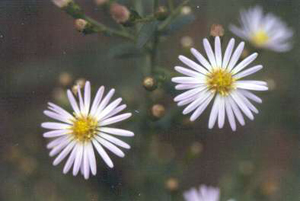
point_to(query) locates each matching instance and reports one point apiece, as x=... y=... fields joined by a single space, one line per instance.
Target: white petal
x=86 y=163
x=236 y=55
x=116 y=131
x=81 y=105
x=57 y=141
x=60 y=147
x=247 y=102
x=70 y=160
x=210 y=53
x=187 y=80
x=200 y=99
x=97 y=100
x=115 y=140
x=201 y=108
x=244 y=63
x=109 y=108
x=64 y=153
x=192 y=64
x=60 y=110
x=103 y=154
x=87 y=96
x=55 y=126
x=237 y=31
x=115 y=111
x=236 y=111
x=256 y=86
x=115 y=119
x=214 y=112
x=73 y=102
x=242 y=105
x=230 y=115
x=92 y=158
x=58 y=117
x=55 y=133
x=188 y=94
x=187 y=72
x=218 y=51
x=110 y=147
x=201 y=59
x=248 y=72
x=228 y=53
x=105 y=101
x=78 y=159
x=187 y=86
x=250 y=95
x=221 y=115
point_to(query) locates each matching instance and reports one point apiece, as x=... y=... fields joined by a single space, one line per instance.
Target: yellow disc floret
x=84 y=128
x=220 y=81
x=260 y=38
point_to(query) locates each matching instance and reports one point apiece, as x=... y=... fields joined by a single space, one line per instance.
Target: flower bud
x=187 y=42
x=149 y=83
x=80 y=25
x=119 y=13
x=158 y=111
x=62 y=3
x=172 y=184
x=101 y=2
x=161 y=13
x=65 y=79
x=216 y=30
x=186 y=10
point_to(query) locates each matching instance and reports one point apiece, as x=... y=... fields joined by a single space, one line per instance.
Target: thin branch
x=173 y=15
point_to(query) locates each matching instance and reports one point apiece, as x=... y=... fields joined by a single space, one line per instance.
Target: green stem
x=173 y=15
x=153 y=53
x=107 y=30
x=145 y=19
x=171 y=5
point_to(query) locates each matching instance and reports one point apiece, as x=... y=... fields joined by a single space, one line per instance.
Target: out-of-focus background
x=41 y=55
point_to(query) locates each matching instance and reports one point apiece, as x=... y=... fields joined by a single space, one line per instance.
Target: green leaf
x=146 y=33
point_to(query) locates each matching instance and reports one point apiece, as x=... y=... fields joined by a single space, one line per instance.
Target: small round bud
x=119 y=13
x=80 y=24
x=62 y=3
x=172 y=184
x=196 y=148
x=186 y=10
x=187 y=42
x=216 y=30
x=65 y=79
x=149 y=83
x=80 y=82
x=158 y=111
x=161 y=13
x=101 y=2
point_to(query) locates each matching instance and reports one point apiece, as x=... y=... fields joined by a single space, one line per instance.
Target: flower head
x=219 y=78
x=77 y=134
x=204 y=193
x=263 y=31
x=119 y=13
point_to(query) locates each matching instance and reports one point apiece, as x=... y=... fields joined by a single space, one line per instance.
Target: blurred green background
x=42 y=55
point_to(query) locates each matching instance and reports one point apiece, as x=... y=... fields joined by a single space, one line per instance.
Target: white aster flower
x=219 y=78
x=204 y=193
x=263 y=31
x=77 y=134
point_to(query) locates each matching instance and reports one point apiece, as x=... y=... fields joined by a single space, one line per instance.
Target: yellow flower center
x=260 y=38
x=220 y=81
x=84 y=128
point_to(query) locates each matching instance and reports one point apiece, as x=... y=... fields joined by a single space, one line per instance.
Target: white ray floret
x=77 y=135
x=263 y=31
x=219 y=79
x=204 y=193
